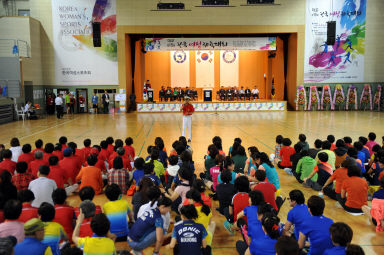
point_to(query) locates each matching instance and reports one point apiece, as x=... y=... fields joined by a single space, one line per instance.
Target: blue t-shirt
x=146 y=224
x=138 y=174
x=154 y=178
x=378 y=194
x=337 y=250
x=261 y=244
x=297 y=215
x=271 y=174
x=366 y=154
x=316 y=229
x=95 y=99
x=361 y=156
x=251 y=213
x=32 y=245
x=377 y=172
x=231 y=182
x=189 y=236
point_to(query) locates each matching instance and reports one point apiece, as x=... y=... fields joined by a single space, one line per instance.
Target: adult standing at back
x=105 y=99
x=95 y=102
x=187 y=109
x=59 y=106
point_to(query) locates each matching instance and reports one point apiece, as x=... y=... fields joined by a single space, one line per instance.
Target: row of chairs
x=163 y=95
x=231 y=95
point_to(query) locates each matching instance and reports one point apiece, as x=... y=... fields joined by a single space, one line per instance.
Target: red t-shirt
x=333 y=147
x=35 y=166
x=339 y=175
x=85 y=228
x=356 y=189
x=37 y=149
x=86 y=152
x=58 y=154
x=103 y=155
x=69 y=165
x=188 y=109
x=268 y=190
x=63 y=147
x=64 y=215
x=28 y=212
x=129 y=150
x=206 y=199
x=46 y=156
x=57 y=174
x=9 y=165
x=26 y=157
x=81 y=154
x=126 y=162
x=285 y=153
x=110 y=149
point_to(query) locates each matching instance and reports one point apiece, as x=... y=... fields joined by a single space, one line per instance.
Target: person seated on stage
x=242 y=93
x=175 y=94
x=222 y=93
x=162 y=94
x=235 y=93
x=194 y=94
x=181 y=94
x=168 y=94
x=248 y=93
x=188 y=92
x=230 y=94
x=255 y=93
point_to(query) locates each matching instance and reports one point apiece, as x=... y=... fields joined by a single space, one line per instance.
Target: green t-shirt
x=67 y=99
x=239 y=163
x=305 y=167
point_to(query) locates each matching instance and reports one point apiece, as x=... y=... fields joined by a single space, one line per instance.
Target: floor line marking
x=146 y=137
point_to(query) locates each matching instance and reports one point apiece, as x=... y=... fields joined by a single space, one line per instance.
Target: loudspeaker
x=170 y=6
x=96 y=30
x=331 y=32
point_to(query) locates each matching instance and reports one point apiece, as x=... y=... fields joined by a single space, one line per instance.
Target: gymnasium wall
x=289 y=13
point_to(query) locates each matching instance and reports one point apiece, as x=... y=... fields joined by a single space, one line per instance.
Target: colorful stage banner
x=180 y=68
x=205 y=69
x=229 y=68
x=77 y=61
x=344 y=60
x=167 y=44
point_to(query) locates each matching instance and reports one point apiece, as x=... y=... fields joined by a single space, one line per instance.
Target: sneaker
x=228 y=226
x=136 y=252
x=306 y=185
x=288 y=171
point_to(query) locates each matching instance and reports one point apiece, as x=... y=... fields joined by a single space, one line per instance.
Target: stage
x=216 y=106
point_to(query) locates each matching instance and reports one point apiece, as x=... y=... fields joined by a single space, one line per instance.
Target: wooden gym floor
x=259 y=129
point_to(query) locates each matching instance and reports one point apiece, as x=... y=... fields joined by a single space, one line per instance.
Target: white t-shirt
x=147 y=207
x=255 y=91
x=58 y=101
x=42 y=188
x=16 y=152
x=172 y=170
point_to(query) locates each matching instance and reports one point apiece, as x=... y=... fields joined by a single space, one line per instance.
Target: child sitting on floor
x=285 y=153
x=323 y=171
x=225 y=191
x=341 y=235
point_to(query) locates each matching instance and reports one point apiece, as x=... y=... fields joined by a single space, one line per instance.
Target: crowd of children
x=171 y=206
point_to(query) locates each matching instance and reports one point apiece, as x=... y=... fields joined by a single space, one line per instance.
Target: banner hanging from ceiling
x=169 y=44
x=344 y=60
x=77 y=62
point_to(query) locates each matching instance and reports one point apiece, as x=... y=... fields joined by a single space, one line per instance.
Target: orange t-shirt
x=356 y=189
x=339 y=175
x=285 y=153
x=381 y=175
x=333 y=147
x=91 y=176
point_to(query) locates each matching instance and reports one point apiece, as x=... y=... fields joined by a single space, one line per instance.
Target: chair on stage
x=235 y=93
x=230 y=94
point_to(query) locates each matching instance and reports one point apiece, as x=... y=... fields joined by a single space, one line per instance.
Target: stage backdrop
x=180 y=68
x=77 y=62
x=343 y=61
x=205 y=69
x=229 y=68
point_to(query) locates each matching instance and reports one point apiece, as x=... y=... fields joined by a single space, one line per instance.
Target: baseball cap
x=67 y=152
x=33 y=225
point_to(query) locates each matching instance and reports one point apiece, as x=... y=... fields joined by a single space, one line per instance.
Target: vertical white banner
x=205 y=69
x=229 y=68
x=77 y=61
x=180 y=69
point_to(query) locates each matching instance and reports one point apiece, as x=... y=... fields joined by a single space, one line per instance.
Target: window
x=23 y=12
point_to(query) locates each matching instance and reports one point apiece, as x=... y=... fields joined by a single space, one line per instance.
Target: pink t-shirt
x=370 y=145
x=12 y=228
x=182 y=190
x=214 y=171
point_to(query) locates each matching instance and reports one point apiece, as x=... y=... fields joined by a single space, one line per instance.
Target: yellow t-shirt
x=96 y=246
x=159 y=168
x=204 y=219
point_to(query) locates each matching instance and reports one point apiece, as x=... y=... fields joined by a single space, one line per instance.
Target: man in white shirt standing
x=59 y=106
x=42 y=187
x=255 y=93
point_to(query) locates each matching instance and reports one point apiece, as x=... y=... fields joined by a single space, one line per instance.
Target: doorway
x=82 y=100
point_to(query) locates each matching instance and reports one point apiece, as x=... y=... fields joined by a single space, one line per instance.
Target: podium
x=150 y=95
x=207 y=95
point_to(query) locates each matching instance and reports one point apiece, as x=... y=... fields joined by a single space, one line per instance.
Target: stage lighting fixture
x=215 y=2
x=260 y=1
x=170 y=6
